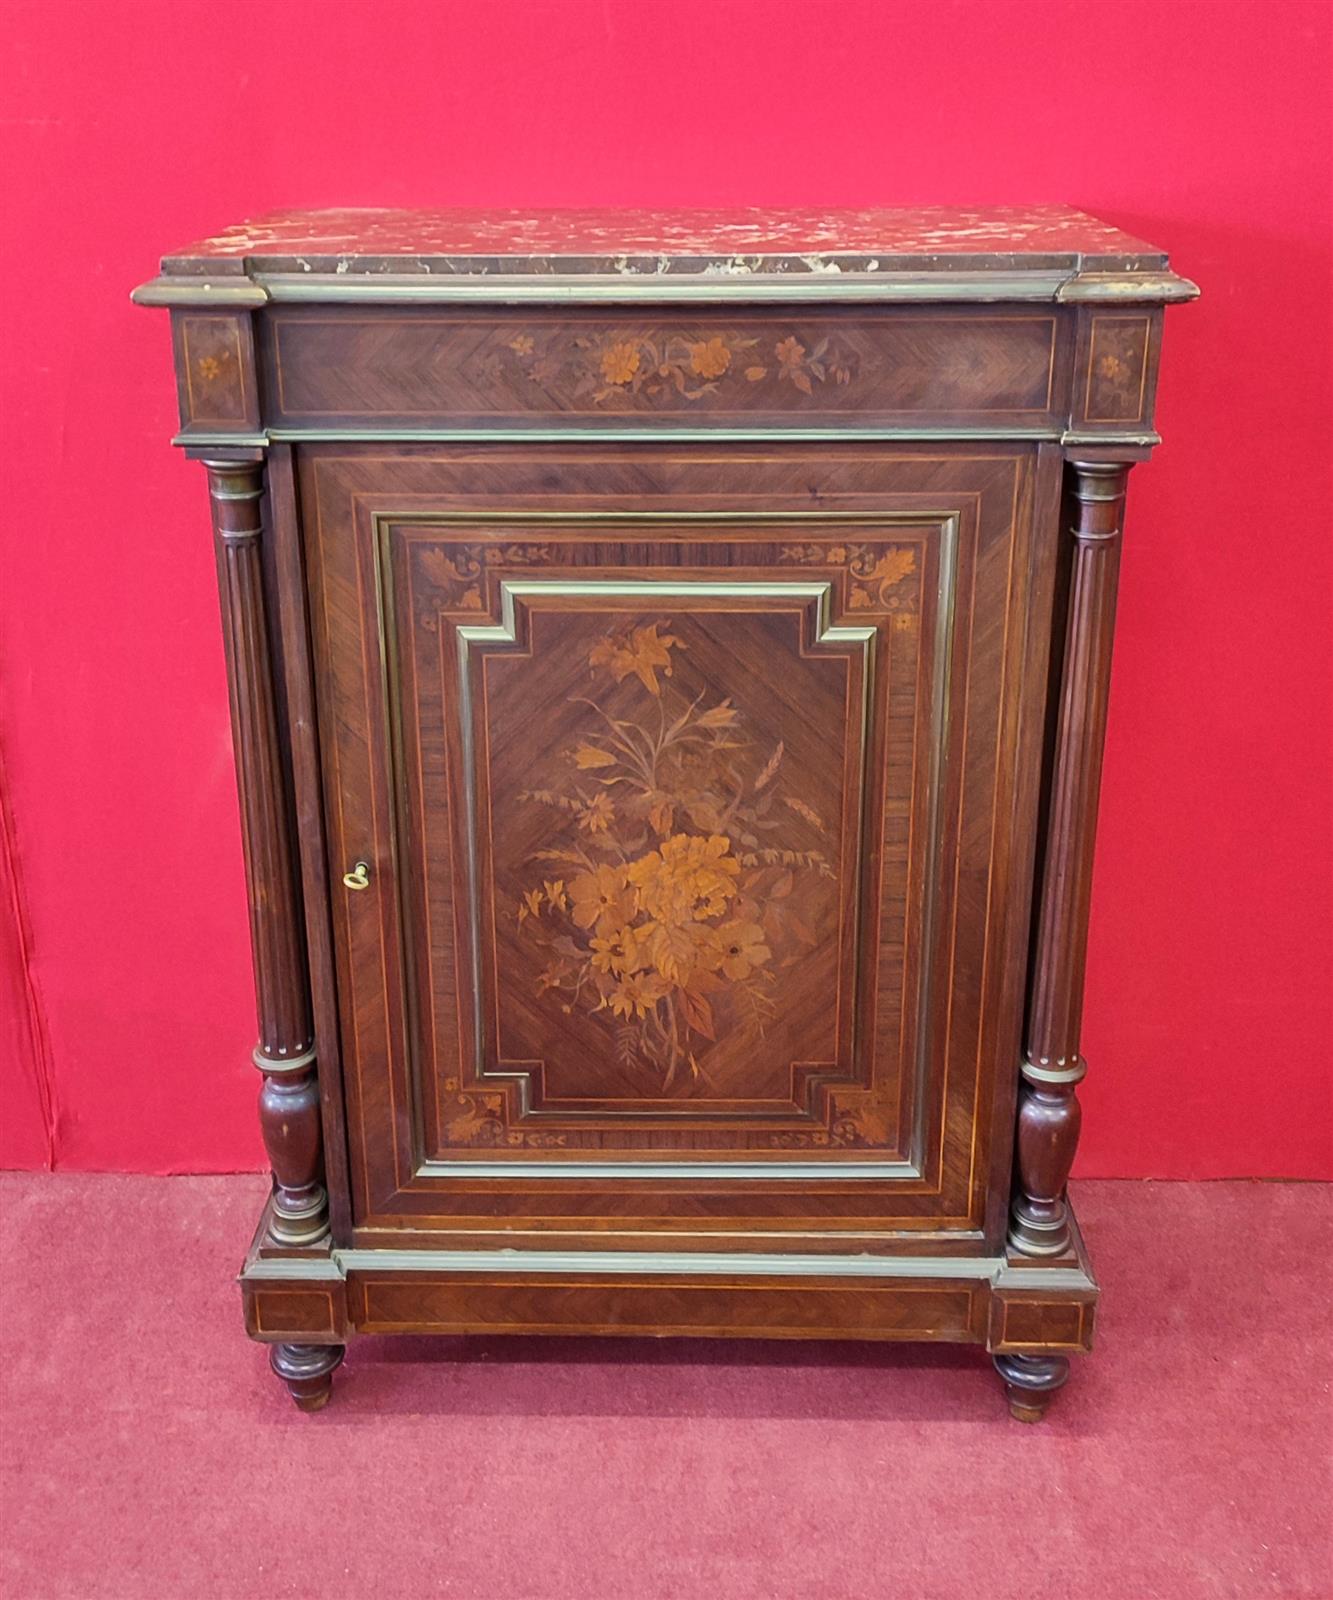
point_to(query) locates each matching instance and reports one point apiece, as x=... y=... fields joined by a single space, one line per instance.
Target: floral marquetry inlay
x=457 y=574
x=681 y=877
x=478 y=1118
x=1117 y=361
x=623 y=366
x=876 y=574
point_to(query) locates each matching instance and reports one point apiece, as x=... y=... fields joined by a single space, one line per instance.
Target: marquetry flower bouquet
x=674 y=897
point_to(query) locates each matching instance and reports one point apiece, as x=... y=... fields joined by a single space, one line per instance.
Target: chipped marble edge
x=863 y=279
x=762 y=263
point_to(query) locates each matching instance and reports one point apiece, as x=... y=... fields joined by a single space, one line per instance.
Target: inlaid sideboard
x=668 y=661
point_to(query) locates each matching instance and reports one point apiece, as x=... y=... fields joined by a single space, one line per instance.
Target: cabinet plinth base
x=1029 y=1316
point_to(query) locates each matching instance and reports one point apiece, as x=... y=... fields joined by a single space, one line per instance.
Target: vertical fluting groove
x=1048 y=1113
x=289 y=1099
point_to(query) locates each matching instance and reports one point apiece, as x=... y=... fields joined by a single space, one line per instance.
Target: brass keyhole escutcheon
x=358 y=877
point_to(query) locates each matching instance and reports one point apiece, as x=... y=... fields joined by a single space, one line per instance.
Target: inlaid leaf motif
x=877 y=574
x=809 y=814
x=588 y=755
x=866 y=1118
x=698 y=1013
x=770 y=766
x=892 y=567
x=476 y=1119
x=455 y=575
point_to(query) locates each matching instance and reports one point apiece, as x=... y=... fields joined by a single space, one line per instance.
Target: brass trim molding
x=1129 y=288
x=817 y=592
x=657 y=288
x=994 y=1270
x=282 y=1066
x=204 y=439
x=751 y=1171
x=863 y=288
x=233 y=293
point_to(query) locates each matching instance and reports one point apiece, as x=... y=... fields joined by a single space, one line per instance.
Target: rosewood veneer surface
x=668 y=661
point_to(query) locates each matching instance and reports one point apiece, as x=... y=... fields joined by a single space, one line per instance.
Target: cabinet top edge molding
x=1032 y=253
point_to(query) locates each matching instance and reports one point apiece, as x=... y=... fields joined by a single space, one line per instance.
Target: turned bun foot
x=307 y=1370
x=1031 y=1383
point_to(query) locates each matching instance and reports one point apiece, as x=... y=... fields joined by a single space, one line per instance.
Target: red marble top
x=635 y=242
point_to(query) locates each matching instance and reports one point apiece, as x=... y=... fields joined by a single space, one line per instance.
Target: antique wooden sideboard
x=668 y=663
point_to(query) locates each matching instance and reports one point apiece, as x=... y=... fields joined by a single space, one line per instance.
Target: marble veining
x=638 y=243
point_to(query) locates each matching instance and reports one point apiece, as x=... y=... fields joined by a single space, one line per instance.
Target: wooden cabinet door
x=695 y=790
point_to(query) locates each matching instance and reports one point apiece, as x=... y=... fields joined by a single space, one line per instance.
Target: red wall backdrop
x=1204 y=127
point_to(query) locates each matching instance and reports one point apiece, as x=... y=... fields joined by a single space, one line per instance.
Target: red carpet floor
x=149 y=1455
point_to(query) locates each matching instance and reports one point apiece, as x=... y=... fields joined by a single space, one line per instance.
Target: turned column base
x=1039 y=1227
x=299 y=1220
x=307 y=1370
x=1031 y=1383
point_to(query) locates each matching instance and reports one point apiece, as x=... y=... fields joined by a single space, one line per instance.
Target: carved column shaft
x=289 y=1100
x=1049 y=1115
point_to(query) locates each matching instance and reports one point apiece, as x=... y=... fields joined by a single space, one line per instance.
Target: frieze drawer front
x=668 y=664
x=471 y=368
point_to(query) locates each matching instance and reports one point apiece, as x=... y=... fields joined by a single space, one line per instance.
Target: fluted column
x=1048 y=1113
x=289 y=1099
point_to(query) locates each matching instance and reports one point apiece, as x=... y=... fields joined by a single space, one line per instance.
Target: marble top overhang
x=910 y=253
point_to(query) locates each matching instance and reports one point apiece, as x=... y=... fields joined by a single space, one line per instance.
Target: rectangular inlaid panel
x=685 y=785
x=658 y=786
x=1020 y=1321
x=215 y=371
x=1115 y=377
x=295 y=1313
x=661 y=906
x=463 y=368
x=773 y=1309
